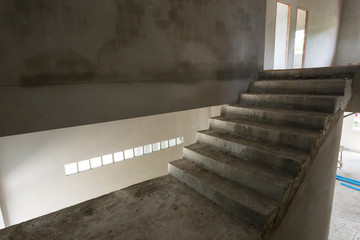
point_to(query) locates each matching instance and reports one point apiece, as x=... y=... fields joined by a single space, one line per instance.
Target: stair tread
x=315 y=80
x=288 y=111
x=293 y=154
x=292 y=95
x=241 y=164
x=274 y=127
x=253 y=200
x=300 y=79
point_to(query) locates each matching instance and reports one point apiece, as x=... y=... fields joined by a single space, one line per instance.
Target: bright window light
x=118 y=157
x=107 y=159
x=156 y=147
x=71 y=168
x=84 y=165
x=95 y=162
x=138 y=151
x=164 y=144
x=129 y=153
x=147 y=149
x=179 y=140
x=172 y=142
x=356 y=125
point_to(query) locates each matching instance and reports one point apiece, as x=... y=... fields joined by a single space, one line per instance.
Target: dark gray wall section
x=309 y=215
x=348 y=49
x=66 y=63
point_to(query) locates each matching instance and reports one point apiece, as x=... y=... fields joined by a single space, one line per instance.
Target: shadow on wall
x=3 y=211
x=163 y=40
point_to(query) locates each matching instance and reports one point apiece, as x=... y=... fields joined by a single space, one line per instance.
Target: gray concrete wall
x=348 y=49
x=323 y=25
x=309 y=215
x=32 y=177
x=67 y=63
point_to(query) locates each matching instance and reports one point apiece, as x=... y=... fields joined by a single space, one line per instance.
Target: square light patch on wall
x=172 y=142
x=156 y=147
x=71 y=168
x=129 y=153
x=84 y=165
x=179 y=140
x=107 y=159
x=119 y=156
x=138 y=151
x=147 y=149
x=95 y=162
x=164 y=144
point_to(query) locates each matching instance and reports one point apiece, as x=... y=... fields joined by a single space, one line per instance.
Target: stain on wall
x=132 y=41
x=147 y=40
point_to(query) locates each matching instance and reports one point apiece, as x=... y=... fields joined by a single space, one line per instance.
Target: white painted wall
x=323 y=25
x=2 y=224
x=32 y=175
x=348 y=51
x=350 y=138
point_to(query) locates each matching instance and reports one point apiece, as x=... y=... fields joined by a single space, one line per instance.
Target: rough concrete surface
x=79 y=62
x=162 y=208
x=308 y=217
x=345 y=219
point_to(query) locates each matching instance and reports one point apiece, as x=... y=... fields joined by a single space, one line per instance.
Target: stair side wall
x=309 y=215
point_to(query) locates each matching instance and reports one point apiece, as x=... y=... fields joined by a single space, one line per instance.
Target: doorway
x=282 y=28
x=300 y=38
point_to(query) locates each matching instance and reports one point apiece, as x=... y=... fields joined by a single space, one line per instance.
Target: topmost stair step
x=316 y=103
x=311 y=87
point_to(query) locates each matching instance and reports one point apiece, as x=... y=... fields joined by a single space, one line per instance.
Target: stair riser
x=295 y=141
x=286 y=165
x=303 y=103
x=242 y=177
x=298 y=87
x=286 y=119
x=246 y=214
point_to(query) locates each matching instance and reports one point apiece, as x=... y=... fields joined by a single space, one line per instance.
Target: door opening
x=282 y=35
x=300 y=38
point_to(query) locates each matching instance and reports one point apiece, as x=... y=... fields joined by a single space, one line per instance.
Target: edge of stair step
x=264 y=180
x=252 y=207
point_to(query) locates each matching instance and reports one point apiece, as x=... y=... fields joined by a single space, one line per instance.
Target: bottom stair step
x=254 y=176
x=255 y=209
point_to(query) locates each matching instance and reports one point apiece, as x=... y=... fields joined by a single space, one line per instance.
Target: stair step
x=283 y=159
x=253 y=208
x=292 y=118
x=300 y=139
x=311 y=86
x=319 y=103
x=256 y=177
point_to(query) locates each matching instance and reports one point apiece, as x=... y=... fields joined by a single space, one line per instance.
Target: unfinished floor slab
x=345 y=216
x=162 y=208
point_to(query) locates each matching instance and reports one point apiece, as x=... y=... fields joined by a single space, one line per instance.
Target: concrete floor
x=162 y=208
x=345 y=219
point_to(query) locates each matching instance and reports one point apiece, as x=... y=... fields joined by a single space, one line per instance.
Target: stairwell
x=254 y=157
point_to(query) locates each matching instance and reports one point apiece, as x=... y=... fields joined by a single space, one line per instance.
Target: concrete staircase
x=255 y=155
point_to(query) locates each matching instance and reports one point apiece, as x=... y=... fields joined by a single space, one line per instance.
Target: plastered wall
x=348 y=49
x=32 y=177
x=67 y=63
x=323 y=26
x=308 y=216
